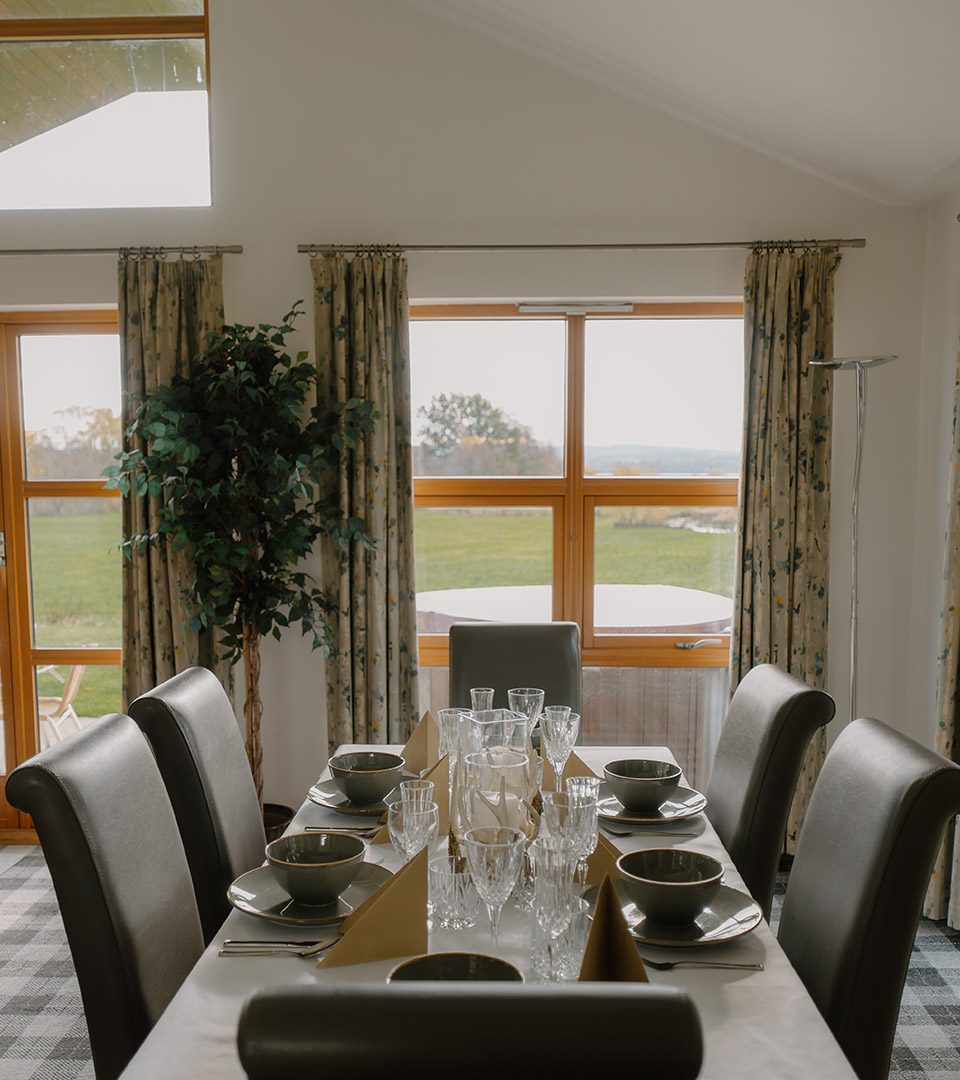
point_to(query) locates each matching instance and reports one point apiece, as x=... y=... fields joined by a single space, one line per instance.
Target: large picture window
x=579 y=466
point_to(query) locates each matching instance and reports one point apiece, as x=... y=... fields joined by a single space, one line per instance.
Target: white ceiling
x=864 y=93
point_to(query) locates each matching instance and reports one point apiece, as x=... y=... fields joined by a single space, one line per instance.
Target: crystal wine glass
x=572 y=818
x=585 y=791
x=527 y=700
x=554 y=858
x=559 y=735
x=494 y=857
x=412 y=830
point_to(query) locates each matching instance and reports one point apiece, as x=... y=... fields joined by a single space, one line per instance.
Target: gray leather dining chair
x=770 y=720
x=289 y=1033
x=859 y=876
x=120 y=874
x=193 y=731
x=505 y=655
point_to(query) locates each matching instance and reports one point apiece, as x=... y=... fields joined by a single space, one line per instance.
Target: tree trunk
x=252 y=705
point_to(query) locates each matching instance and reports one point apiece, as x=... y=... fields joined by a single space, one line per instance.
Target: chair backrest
x=859 y=876
x=505 y=655
x=631 y=1028
x=191 y=725
x=770 y=721
x=111 y=842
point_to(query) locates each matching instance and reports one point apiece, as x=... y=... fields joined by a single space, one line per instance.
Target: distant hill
x=661 y=459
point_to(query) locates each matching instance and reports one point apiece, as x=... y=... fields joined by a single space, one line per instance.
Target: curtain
x=943 y=900
x=780 y=605
x=362 y=328
x=166 y=308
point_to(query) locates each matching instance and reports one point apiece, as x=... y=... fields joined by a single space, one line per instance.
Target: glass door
x=60 y=429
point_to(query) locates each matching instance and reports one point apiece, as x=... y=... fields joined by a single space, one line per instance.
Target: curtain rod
x=141 y=252
x=346 y=249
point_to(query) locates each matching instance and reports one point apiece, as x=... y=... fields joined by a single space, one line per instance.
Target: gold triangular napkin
x=392 y=922
x=423 y=747
x=573 y=767
x=440 y=775
x=602 y=862
x=611 y=953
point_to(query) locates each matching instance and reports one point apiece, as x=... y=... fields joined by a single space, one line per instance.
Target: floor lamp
x=859 y=364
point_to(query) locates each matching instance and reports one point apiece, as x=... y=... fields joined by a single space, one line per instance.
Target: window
x=579 y=467
x=104 y=104
x=60 y=584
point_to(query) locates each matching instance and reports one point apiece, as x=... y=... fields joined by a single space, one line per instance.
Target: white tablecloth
x=759 y=1025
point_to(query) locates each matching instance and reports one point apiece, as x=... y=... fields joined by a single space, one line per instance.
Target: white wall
x=941 y=330
x=365 y=120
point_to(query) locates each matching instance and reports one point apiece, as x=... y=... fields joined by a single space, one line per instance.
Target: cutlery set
x=232 y=947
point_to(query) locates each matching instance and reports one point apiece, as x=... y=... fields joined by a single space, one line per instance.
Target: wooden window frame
x=574 y=498
x=23 y=657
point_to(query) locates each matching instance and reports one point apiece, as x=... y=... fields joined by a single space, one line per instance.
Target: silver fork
x=669 y=965
x=351 y=830
x=634 y=832
x=275 y=948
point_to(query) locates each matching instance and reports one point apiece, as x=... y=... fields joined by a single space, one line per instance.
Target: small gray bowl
x=455 y=967
x=366 y=776
x=641 y=783
x=316 y=867
x=671 y=886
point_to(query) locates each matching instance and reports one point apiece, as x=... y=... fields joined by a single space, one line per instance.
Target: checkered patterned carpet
x=927 y=1044
x=43 y=1035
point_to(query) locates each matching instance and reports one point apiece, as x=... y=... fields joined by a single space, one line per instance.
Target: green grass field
x=458 y=550
x=75 y=563
x=76 y=570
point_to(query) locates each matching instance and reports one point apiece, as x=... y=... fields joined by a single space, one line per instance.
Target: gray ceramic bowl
x=670 y=886
x=640 y=783
x=315 y=867
x=455 y=967
x=366 y=776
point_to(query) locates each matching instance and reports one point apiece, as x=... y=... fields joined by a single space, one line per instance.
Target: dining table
x=756 y=1024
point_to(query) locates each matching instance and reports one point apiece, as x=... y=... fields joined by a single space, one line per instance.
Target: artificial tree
x=242 y=467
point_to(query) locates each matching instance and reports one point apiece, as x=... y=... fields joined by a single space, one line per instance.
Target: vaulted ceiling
x=864 y=93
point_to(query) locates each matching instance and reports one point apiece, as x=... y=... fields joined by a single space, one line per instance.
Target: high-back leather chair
x=506 y=655
x=771 y=718
x=191 y=725
x=114 y=852
x=859 y=876
x=289 y=1033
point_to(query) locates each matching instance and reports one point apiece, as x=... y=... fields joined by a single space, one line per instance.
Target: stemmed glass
x=411 y=830
x=528 y=701
x=586 y=791
x=560 y=729
x=572 y=818
x=494 y=857
x=481 y=698
x=553 y=858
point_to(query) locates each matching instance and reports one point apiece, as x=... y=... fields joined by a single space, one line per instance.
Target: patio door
x=60 y=587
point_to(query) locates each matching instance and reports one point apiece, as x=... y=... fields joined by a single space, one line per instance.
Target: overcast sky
x=61 y=370
x=655 y=382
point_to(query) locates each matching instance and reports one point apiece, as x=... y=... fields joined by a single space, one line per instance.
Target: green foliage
x=465 y=434
x=242 y=467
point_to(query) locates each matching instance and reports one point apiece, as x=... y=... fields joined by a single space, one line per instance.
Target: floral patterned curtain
x=780 y=608
x=943 y=899
x=362 y=326
x=166 y=308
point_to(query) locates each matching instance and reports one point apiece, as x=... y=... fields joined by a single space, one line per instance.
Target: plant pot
x=276 y=817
